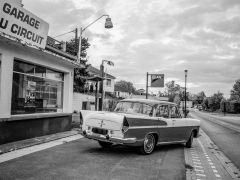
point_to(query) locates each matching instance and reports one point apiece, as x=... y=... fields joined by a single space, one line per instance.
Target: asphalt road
x=227 y=139
x=84 y=159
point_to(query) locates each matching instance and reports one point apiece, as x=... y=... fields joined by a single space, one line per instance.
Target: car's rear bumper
x=107 y=138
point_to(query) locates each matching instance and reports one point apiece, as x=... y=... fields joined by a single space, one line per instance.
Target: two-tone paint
x=165 y=130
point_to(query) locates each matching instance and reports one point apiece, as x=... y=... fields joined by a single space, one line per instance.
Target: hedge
x=230 y=106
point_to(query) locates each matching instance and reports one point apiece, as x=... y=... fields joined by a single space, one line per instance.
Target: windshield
x=134 y=107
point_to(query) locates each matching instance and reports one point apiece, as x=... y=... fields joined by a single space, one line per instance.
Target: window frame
x=158 y=106
x=55 y=99
x=176 y=110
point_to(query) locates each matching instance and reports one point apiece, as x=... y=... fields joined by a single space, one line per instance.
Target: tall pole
x=147 y=87
x=101 y=87
x=76 y=36
x=96 y=96
x=79 y=46
x=185 y=107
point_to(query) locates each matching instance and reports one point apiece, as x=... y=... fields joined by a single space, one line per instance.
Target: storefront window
x=35 y=91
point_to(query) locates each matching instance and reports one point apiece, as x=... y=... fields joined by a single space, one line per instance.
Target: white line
x=198 y=166
x=199 y=170
x=198 y=163
x=25 y=151
x=195 y=159
x=201 y=145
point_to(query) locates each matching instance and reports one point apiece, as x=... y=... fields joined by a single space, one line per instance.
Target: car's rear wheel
x=190 y=141
x=148 y=144
x=105 y=144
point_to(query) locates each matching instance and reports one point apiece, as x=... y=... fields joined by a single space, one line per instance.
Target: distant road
x=224 y=131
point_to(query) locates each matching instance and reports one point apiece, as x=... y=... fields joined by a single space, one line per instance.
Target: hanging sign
x=22 y=24
x=157 y=80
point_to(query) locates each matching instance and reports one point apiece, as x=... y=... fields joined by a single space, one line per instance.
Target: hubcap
x=149 y=143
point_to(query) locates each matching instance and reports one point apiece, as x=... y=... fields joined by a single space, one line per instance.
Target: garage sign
x=157 y=80
x=22 y=24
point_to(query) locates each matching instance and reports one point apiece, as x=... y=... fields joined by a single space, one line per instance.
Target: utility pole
x=147 y=87
x=185 y=109
x=101 y=87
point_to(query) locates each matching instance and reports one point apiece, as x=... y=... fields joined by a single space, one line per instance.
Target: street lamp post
x=108 y=25
x=185 y=107
x=110 y=63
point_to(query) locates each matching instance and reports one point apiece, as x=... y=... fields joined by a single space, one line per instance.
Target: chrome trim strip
x=172 y=142
x=110 y=139
x=142 y=127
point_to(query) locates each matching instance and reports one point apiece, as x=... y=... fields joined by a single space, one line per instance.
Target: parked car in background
x=142 y=123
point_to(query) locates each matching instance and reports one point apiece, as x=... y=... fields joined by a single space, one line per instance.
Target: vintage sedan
x=139 y=122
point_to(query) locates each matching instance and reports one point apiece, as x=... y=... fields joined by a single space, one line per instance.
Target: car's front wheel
x=148 y=144
x=105 y=144
x=190 y=141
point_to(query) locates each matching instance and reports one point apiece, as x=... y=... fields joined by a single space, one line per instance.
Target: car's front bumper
x=107 y=138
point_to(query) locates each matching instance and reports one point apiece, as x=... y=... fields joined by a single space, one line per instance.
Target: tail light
x=125 y=126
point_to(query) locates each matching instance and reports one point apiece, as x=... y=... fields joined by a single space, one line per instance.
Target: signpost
x=157 y=80
x=22 y=24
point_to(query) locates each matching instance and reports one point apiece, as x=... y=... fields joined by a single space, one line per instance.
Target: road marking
x=197 y=163
x=25 y=151
x=198 y=166
x=199 y=170
x=195 y=159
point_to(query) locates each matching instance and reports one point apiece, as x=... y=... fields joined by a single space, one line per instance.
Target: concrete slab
x=205 y=161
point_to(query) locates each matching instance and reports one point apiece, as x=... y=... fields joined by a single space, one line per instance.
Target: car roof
x=148 y=101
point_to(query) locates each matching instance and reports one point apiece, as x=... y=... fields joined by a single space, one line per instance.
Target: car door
x=165 y=130
x=180 y=125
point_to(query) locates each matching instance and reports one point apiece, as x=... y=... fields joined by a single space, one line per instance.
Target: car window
x=174 y=113
x=122 y=107
x=147 y=109
x=134 y=107
x=162 y=111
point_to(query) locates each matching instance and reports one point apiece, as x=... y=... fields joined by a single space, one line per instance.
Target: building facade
x=36 y=84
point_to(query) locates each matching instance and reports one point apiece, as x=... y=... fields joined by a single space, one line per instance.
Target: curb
x=226 y=167
x=5 y=148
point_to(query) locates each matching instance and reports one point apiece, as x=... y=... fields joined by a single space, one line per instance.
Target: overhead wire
x=63 y=34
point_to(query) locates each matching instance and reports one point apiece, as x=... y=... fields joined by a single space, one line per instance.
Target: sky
x=155 y=36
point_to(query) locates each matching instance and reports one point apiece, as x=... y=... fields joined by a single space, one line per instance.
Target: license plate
x=100 y=131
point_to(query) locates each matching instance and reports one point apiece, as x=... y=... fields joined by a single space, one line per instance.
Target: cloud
x=164 y=36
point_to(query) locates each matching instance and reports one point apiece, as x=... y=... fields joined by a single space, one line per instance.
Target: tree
x=72 y=48
x=175 y=90
x=235 y=92
x=215 y=100
x=125 y=86
x=198 y=98
x=205 y=103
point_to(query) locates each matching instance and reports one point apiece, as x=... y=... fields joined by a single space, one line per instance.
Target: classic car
x=139 y=122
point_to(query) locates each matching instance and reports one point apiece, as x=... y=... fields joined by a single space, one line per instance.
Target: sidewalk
x=205 y=161
x=4 y=148
x=221 y=115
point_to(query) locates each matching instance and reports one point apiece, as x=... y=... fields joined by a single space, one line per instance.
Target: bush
x=231 y=106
